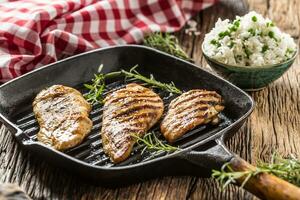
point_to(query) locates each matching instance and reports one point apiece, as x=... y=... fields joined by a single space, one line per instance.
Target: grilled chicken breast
x=189 y=110
x=62 y=114
x=130 y=110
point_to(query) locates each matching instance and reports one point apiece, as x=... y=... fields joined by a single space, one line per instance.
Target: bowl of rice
x=250 y=51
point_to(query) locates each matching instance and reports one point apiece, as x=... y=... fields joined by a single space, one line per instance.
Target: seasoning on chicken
x=63 y=116
x=130 y=110
x=189 y=110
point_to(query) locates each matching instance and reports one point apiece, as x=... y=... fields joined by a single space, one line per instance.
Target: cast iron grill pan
x=202 y=149
x=90 y=150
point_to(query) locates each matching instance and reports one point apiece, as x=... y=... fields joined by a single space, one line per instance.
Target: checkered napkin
x=37 y=32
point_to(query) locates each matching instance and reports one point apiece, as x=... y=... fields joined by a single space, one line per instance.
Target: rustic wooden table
x=274 y=125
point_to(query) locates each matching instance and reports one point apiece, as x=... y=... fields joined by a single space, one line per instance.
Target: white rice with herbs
x=250 y=40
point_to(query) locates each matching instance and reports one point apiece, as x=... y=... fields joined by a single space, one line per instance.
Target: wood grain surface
x=274 y=125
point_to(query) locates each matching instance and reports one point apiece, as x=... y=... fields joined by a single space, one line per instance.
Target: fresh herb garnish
x=252 y=31
x=96 y=88
x=264 y=48
x=236 y=23
x=226 y=175
x=289 y=51
x=285 y=168
x=134 y=75
x=215 y=42
x=231 y=44
x=270 y=24
x=271 y=34
x=235 y=26
x=167 y=43
x=223 y=34
x=233 y=29
x=152 y=143
x=254 y=19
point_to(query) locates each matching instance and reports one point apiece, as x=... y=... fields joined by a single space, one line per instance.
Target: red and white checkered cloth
x=37 y=32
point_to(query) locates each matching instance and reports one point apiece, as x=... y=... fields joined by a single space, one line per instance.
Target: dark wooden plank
x=273 y=124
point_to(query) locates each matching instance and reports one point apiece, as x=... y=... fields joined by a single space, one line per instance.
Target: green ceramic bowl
x=250 y=78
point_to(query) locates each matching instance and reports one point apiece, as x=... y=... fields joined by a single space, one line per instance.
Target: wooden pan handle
x=264 y=185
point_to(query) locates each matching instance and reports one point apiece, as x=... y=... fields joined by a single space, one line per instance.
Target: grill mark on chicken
x=129 y=90
x=138 y=116
x=134 y=109
x=62 y=114
x=189 y=110
x=132 y=129
x=136 y=100
x=132 y=123
x=176 y=126
x=196 y=102
x=193 y=95
x=183 y=114
x=127 y=96
x=215 y=100
x=198 y=116
x=130 y=110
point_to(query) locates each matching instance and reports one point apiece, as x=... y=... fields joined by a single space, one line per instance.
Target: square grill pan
x=88 y=158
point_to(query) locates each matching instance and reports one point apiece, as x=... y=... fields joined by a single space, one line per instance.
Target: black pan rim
x=217 y=135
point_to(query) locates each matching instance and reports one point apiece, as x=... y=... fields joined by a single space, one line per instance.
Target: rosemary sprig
x=152 y=143
x=226 y=175
x=97 y=87
x=166 y=43
x=134 y=75
x=285 y=168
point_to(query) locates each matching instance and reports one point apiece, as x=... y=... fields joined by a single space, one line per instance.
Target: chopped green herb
x=252 y=31
x=270 y=24
x=232 y=29
x=271 y=34
x=288 y=52
x=231 y=44
x=264 y=48
x=236 y=23
x=215 y=42
x=254 y=19
x=223 y=34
